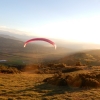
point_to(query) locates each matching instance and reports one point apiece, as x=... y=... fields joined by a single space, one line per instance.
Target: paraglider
x=40 y=39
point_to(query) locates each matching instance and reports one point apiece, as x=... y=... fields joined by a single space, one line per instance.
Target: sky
x=70 y=20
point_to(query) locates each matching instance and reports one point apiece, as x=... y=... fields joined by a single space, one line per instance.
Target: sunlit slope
x=90 y=57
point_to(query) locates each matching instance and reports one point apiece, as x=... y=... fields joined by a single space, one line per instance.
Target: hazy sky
x=74 y=20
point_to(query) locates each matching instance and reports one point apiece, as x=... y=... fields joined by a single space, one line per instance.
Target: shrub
x=9 y=70
x=71 y=69
x=78 y=63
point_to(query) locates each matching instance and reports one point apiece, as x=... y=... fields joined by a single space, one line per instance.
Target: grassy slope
x=91 y=57
x=30 y=87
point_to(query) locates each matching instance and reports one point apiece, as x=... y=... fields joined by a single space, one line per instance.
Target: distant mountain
x=89 y=57
x=8 y=36
x=12 y=35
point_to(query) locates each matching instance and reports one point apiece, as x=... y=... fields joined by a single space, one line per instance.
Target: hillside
x=13 y=50
x=89 y=57
x=75 y=46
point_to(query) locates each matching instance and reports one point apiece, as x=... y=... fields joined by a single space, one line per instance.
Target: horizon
x=75 y=21
x=60 y=43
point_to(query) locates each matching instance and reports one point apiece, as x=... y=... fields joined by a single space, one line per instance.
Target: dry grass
x=30 y=87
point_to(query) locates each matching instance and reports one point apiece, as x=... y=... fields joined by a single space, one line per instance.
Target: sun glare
x=83 y=30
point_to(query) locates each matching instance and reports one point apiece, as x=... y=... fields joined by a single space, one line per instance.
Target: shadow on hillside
x=50 y=90
x=44 y=88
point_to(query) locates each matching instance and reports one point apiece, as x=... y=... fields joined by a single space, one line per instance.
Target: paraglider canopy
x=40 y=39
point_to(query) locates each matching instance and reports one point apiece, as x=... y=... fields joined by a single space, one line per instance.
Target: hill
x=87 y=57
